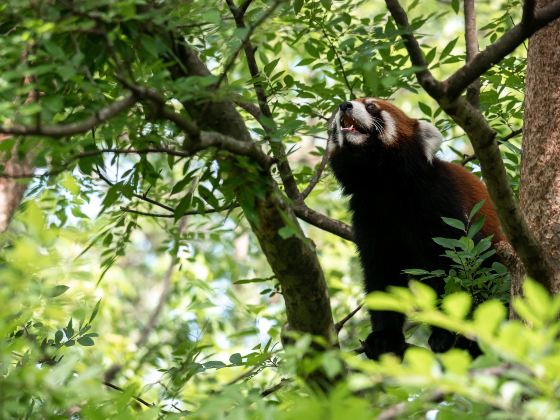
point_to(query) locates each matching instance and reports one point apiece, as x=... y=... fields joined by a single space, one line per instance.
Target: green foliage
x=468 y=270
x=515 y=378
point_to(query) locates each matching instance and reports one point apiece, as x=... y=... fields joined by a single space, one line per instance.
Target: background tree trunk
x=540 y=166
x=12 y=189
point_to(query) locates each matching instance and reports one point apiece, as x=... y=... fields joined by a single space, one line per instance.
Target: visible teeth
x=351 y=128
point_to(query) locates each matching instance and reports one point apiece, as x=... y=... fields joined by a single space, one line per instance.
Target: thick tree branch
x=425 y=77
x=65 y=130
x=323 y=222
x=495 y=52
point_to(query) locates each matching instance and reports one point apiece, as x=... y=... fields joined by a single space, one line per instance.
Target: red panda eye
x=370 y=107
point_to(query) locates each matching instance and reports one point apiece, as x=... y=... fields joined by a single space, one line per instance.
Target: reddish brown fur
x=472 y=190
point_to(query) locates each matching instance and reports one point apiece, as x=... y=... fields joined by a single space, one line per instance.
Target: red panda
x=399 y=191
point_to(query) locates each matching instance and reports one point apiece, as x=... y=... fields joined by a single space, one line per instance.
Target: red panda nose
x=345 y=106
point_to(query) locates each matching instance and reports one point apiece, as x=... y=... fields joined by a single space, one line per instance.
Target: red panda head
x=376 y=122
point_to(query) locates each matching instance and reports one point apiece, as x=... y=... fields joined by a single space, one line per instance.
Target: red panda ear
x=431 y=138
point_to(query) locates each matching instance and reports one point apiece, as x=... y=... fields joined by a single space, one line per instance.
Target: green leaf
x=457 y=224
x=298 y=4
x=214 y=364
x=86 y=341
x=386 y=302
x=331 y=364
x=425 y=296
x=447 y=242
x=180 y=186
x=326 y=4
x=269 y=68
x=475 y=227
x=236 y=359
x=476 y=209
x=457 y=305
x=58 y=336
x=431 y=55
x=417 y=272
x=95 y=311
x=58 y=290
x=286 y=232
x=455 y=5
x=69 y=330
x=183 y=206
x=448 y=48
x=207 y=195
x=254 y=280
x=488 y=316
x=425 y=109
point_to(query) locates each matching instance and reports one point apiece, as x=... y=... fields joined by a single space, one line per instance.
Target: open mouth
x=349 y=125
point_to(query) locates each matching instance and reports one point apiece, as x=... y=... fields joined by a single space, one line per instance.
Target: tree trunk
x=540 y=165
x=293 y=259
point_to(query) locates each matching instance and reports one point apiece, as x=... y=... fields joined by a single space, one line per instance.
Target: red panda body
x=399 y=192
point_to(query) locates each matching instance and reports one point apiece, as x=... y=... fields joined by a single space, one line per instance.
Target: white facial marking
x=431 y=138
x=339 y=136
x=360 y=114
x=389 y=133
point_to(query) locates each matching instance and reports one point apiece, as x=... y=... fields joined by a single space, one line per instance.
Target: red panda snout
x=366 y=120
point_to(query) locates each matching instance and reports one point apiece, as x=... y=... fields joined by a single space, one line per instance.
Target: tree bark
x=12 y=189
x=540 y=164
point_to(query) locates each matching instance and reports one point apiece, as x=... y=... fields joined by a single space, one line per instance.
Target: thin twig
x=471 y=41
x=339 y=61
x=139 y=196
x=340 y=324
x=316 y=177
x=251 y=28
x=507 y=138
x=137 y=399
x=279 y=385
x=202 y=212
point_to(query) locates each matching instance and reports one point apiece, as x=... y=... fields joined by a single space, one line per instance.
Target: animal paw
x=468 y=345
x=381 y=342
x=441 y=340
